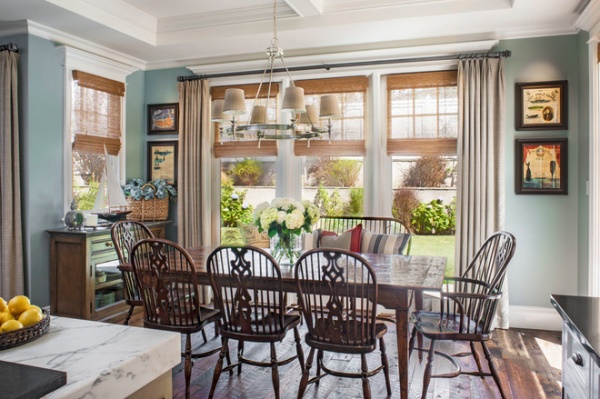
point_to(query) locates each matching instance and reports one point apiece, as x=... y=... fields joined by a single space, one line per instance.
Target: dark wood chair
x=340 y=313
x=467 y=309
x=166 y=279
x=125 y=234
x=248 y=290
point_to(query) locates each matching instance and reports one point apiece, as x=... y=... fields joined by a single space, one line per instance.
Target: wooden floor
x=529 y=362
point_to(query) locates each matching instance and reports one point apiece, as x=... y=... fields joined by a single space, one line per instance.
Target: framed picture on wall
x=162 y=161
x=541 y=166
x=541 y=106
x=162 y=118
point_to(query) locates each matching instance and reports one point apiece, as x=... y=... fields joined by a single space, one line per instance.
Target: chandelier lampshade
x=235 y=102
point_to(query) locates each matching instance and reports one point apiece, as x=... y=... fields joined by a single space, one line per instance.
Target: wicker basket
x=154 y=209
x=23 y=335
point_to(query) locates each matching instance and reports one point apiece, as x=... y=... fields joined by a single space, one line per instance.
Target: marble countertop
x=582 y=314
x=101 y=360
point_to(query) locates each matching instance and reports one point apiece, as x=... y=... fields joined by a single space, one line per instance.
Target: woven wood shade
x=218 y=92
x=241 y=149
x=334 y=85
x=325 y=148
x=96 y=113
x=422 y=79
x=421 y=147
x=95 y=144
x=99 y=83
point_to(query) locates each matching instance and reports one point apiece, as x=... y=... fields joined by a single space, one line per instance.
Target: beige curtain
x=11 y=244
x=480 y=194
x=193 y=204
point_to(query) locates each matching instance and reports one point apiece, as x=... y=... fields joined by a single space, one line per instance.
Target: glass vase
x=285 y=248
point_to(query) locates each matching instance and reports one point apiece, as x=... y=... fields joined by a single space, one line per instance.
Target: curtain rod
x=9 y=47
x=499 y=54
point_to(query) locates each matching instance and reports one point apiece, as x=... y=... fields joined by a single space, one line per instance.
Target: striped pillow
x=383 y=243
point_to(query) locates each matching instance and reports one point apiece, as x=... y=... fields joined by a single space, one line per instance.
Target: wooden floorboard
x=528 y=361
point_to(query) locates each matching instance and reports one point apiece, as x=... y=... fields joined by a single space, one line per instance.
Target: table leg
x=402 y=341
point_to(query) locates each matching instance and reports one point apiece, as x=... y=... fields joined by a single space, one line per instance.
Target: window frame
x=80 y=60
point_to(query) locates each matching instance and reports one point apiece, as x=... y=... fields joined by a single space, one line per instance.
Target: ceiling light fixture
x=233 y=105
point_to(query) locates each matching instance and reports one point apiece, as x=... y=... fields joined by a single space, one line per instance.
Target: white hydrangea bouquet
x=284 y=219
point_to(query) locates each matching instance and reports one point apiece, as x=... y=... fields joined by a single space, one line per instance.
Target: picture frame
x=541 y=106
x=163 y=118
x=161 y=161
x=541 y=166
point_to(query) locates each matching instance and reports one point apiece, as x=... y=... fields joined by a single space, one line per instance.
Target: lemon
x=11 y=325
x=5 y=316
x=30 y=317
x=36 y=308
x=18 y=305
x=3 y=305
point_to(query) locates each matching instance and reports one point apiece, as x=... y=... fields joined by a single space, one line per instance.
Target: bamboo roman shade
x=96 y=113
x=244 y=148
x=341 y=86
x=412 y=145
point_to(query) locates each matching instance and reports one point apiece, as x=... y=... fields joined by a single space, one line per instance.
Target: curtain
x=193 y=204
x=11 y=248
x=481 y=155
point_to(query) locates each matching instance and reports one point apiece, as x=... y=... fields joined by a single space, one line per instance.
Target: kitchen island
x=103 y=360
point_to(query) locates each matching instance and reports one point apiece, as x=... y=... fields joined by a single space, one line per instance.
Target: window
x=332 y=172
x=96 y=110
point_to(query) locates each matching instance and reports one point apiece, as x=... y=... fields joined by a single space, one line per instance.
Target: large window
x=422 y=132
x=332 y=167
x=96 y=119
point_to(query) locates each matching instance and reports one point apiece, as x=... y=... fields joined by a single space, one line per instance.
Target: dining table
x=398 y=277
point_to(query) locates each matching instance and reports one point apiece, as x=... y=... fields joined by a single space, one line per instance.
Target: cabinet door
x=577 y=367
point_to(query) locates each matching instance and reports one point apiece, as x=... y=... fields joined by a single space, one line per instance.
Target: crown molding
x=80 y=60
x=115 y=14
x=589 y=19
x=44 y=32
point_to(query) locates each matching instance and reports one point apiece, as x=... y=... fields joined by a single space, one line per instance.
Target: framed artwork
x=541 y=166
x=162 y=118
x=541 y=106
x=162 y=161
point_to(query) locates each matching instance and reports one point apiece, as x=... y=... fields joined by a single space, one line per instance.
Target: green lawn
x=437 y=246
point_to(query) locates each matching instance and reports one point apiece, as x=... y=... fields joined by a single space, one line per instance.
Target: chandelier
x=303 y=123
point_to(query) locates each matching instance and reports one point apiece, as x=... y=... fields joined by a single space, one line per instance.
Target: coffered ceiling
x=163 y=33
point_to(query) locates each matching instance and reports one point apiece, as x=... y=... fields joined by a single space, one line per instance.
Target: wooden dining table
x=397 y=277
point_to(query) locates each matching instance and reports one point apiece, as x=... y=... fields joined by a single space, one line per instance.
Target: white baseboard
x=536 y=318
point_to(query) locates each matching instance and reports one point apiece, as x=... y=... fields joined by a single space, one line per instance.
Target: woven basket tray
x=23 y=335
x=154 y=209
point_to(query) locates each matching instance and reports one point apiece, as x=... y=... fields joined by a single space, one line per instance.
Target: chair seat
x=447 y=328
x=334 y=335
x=264 y=328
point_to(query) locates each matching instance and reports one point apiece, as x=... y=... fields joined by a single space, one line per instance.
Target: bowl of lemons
x=21 y=321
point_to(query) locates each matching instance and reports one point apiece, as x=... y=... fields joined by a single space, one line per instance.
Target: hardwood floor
x=529 y=362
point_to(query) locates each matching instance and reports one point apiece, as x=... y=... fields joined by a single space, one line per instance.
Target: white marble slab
x=101 y=360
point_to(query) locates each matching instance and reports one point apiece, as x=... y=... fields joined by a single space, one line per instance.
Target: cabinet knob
x=577 y=359
x=109 y=244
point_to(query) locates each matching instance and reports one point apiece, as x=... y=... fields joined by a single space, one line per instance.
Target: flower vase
x=285 y=248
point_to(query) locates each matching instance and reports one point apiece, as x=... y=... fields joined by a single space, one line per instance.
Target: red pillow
x=354 y=239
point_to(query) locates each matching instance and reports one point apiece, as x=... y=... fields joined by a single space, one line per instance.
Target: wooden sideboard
x=85 y=282
x=580 y=345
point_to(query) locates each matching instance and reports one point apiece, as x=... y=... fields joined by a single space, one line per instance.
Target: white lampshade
x=259 y=115
x=330 y=107
x=235 y=102
x=216 y=114
x=293 y=100
x=310 y=116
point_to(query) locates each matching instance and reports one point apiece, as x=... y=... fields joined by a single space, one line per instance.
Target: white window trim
x=74 y=59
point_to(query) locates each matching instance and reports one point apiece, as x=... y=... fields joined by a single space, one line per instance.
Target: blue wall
x=551 y=243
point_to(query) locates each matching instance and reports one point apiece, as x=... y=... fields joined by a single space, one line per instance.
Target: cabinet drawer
x=101 y=245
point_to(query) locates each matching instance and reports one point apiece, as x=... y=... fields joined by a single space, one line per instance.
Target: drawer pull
x=108 y=244
x=577 y=359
